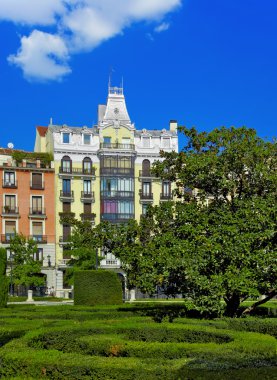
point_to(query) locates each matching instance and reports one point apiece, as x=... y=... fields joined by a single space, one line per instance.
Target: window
x=66 y=232
x=146 y=142
x=166 y=188
x=110 y=207
x=38 y=256
x=87 y=165
x=146 y=167
x=10 y=203
x=66 y=207
x=125 y=207
x=144 y=209
x=66 y=138
x=87 y=208
x=126 y=141
x=87 y=186
x=37 y=181
x=66 y=164
x=36 y=205
x=9 y=178
x=166 y=142
x=10 y=229
x=146 y=188
x=67 y=186
x=86 y=139
x=107 y=140
x=37 y=228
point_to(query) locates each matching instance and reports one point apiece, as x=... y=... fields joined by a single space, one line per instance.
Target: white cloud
x=32 y=12
x=162 y=27
x=80 y=25
x=42 y=56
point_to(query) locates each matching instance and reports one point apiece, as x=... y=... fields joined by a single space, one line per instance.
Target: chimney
x=173 y=125
x=38 y=163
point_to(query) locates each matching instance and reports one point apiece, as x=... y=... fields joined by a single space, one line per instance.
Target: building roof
x=42 y=131
x=9 y=152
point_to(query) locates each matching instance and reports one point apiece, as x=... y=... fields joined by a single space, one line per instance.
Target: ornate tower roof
x=116 y=107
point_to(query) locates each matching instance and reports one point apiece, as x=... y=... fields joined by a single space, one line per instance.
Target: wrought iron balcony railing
x=6 y=238
x=37 y=211
x=117 y=146
x=117 y=194
x=10 y=210
x=9 y=184
x=146 y=196
x=41 y=239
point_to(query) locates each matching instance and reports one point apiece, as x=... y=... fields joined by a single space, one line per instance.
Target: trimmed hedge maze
x=70 y=342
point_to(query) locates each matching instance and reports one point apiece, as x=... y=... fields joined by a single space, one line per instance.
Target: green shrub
x=97 y=288
x=3 y=278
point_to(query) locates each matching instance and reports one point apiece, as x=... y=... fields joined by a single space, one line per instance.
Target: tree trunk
x=232 y=305
x=249 y=309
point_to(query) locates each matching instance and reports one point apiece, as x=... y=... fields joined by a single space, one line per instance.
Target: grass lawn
x=110 y=342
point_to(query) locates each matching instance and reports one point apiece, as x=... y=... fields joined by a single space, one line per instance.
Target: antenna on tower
x=110 y=77
x=51 y=121
x=122 y=85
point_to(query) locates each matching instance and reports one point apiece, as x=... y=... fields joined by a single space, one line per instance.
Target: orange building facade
x=27 y=204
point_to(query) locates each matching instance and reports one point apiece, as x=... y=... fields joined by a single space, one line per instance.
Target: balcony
x=66 y=196
x=115 y=217
x=77 y=171
x=37 y=212
x=110 y=263
x=63 y=263
x=146 y=196
x=117 y=171
x=40 y=239
x=6 y=238
x=117 y=194
x=87 y=196
x=9 y=184
x=67 y=214
x=166 y=197
x=10 y=211
x=88 y=216
x=64 y=239
x=117 y=146
x=146 y=174
x=37 y=186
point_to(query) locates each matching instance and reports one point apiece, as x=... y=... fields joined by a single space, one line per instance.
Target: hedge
x=97 y=287
x=3 y=278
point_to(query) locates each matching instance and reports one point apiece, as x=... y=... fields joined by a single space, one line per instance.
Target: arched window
x=146 y=167
x=66 y=164
x=87 y=165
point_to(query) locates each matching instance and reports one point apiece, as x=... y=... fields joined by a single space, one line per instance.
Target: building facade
x=27 y=205
x=104 y=172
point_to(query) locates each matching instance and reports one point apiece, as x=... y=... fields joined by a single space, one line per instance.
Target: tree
x=26 y=270
x=83 y=246
x=219 y=241
x=3 y=278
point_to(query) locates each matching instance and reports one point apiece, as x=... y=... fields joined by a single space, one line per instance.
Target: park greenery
x=216 y=243
x=112 y=342
x=26 y=270
x=3 y=278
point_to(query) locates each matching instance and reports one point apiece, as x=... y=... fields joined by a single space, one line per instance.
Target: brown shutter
x=87 y=208
x=37 y=179
x=66 y=207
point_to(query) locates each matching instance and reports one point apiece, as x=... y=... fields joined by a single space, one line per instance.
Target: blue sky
x=204 y=63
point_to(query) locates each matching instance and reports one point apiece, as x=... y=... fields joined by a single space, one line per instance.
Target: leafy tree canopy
x=26 y=270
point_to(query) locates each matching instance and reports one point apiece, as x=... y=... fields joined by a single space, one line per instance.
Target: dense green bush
x=97 y=288
x=3 y=278
x=103 y=342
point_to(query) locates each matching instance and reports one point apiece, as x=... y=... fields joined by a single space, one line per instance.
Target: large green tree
x=219 y=241
x=26 y=270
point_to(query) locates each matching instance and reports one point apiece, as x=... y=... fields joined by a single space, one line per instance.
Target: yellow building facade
x=104 y=172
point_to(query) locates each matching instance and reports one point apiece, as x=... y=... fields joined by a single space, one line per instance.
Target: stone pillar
x=132 y=295
x=30 y=296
